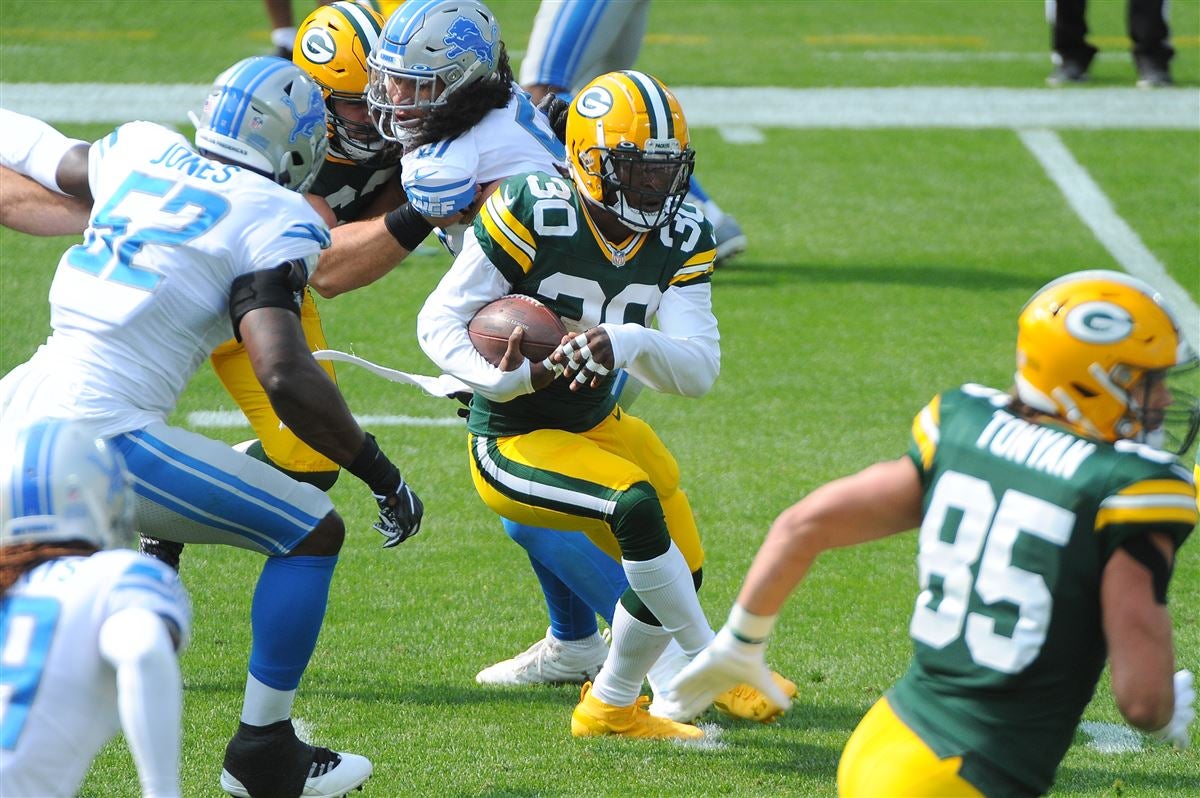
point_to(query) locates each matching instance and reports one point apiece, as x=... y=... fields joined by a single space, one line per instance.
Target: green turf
x=885 y=265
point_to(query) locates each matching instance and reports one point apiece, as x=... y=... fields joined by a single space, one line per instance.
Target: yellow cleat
x=743 y=701
x=594 y=718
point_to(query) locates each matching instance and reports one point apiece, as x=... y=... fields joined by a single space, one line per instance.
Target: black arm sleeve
x=280 y=287
x=1145 y=552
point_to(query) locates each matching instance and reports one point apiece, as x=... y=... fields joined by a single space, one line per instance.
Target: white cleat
x=333 y=778
x=549 y=661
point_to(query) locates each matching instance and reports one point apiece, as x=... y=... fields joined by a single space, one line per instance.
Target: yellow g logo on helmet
x=1085 y=341
x=594 y=102
x=1099 y=322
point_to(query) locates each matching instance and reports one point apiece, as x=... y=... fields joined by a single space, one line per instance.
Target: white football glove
x=580 y=359
x=724 y=663
x=1176 y=730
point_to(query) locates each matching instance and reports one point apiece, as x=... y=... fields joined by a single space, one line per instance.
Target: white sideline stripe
x=1117 y=108
x=1094 y=208
x=742 y=134
x=233 y=419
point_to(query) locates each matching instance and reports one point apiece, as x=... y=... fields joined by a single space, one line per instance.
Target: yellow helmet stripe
x=509 y=233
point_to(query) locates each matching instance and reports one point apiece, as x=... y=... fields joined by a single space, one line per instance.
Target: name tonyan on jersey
x=1058 y=454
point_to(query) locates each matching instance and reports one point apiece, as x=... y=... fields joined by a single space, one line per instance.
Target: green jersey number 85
x=986 y=533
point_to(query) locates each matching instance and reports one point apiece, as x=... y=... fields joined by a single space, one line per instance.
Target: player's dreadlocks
x=18 y=559
x=468 y=105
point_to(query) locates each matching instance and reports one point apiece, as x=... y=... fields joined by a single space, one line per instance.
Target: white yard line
x=233 y=419
x=1097 y=212
x=740 y=113
x=1122 y=108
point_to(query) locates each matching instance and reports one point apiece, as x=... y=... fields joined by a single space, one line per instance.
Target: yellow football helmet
x=332 y=45
x=1091 y=348
x=628 y=148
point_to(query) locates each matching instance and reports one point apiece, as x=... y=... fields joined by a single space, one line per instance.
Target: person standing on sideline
x=90 y=630
x=186 y=246
x=1146 y=21
x=1049 y=522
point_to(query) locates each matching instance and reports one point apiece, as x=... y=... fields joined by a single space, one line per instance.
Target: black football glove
x=400 y=510
x=555 y=109
x=464 y=398
x=400 y=514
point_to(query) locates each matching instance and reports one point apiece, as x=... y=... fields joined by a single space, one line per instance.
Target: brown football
x=494 y=322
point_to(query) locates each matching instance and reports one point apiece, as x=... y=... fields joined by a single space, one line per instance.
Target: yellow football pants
x=232 y=365
x=884 y=758
x=565 y=480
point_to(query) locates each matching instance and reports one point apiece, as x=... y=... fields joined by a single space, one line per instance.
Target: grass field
x=885 y=264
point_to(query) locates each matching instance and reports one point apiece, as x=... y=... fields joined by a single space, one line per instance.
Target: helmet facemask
x=1175 y=427
x=643 y=188
x=426 y=54
x=354 y=139
x=399 y=103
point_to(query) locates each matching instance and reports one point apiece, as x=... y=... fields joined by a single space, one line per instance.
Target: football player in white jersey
x=573 y=41
x=184 y=247
x=89 y=637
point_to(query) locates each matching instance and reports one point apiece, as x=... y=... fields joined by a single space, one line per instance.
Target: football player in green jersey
x=611 y=249
x=1049 y=523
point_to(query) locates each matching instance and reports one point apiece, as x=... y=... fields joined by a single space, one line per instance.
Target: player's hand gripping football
x=586 y=359
x=1176 y=730
x=400 y=513
x=541 y=373
x=725 y=662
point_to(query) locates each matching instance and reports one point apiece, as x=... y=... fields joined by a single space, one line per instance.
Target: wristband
x=374 y=468
x=748 y=628
x=407 y=226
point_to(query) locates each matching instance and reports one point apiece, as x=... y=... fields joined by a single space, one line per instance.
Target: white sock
x=583 y=643
x=664 y=584
x=635 y=647
x=264 y=705
x=667 y=667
